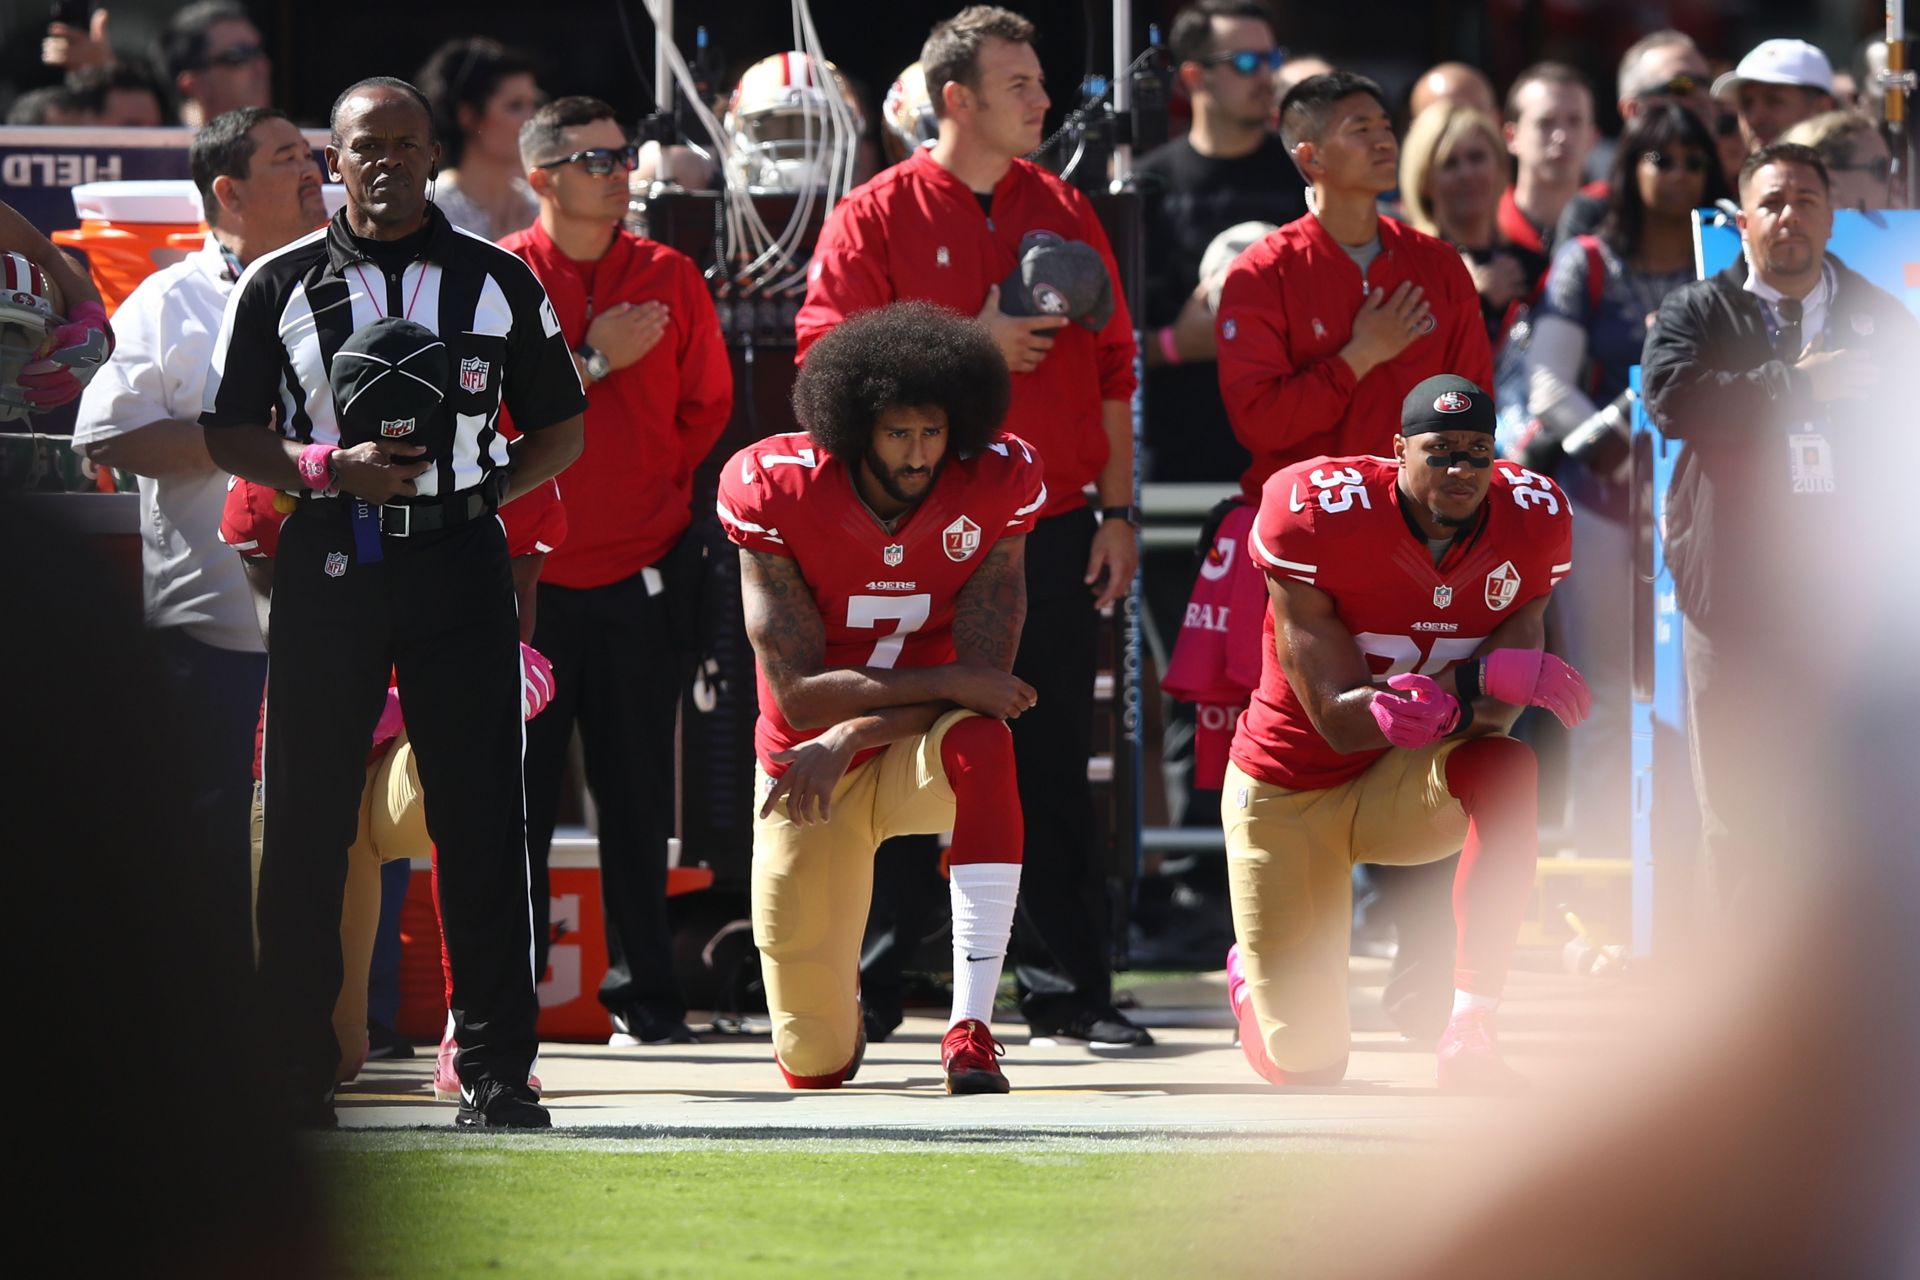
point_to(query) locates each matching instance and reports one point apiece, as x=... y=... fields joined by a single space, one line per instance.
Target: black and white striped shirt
x=293 y=309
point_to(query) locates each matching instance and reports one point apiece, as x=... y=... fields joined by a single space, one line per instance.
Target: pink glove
x=1427 y=716
x=536 y=681
x=79 y=348
x=389 y=725
x=1530 y=678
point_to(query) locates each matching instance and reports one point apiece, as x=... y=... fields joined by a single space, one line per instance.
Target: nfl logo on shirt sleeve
x=473 y=374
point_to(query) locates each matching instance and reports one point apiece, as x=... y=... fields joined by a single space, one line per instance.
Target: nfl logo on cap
x=1453 y=402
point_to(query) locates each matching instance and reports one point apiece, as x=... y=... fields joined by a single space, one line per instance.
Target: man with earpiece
x=383 y=348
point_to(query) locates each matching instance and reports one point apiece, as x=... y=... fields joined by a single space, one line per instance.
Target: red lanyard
x=377 y=309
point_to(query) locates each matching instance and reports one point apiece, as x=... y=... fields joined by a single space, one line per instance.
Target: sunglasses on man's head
x=1691 y=161
x=1682 y=85
x=1877 y=169
x=1247 y=62
x=238 y=56
x=599 y=161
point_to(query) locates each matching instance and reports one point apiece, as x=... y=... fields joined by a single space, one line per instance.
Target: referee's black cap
x=389 y=382
x=1446 y=402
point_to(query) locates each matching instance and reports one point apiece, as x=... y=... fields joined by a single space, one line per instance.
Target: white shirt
x=1813 y=307
x=164 y=334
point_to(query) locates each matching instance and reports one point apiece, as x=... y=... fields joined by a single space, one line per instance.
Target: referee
x=390 y=328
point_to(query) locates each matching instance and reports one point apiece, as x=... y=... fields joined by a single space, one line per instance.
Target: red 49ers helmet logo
x=1453 y=402
x=960 y=539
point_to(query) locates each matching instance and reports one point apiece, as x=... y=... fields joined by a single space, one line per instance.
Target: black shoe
x=1106 y=1028
x=879 y=1023
x=495 y=1104
x=384 y=1042
x=859 y=1052
x=636 y=1026
x=310 y=1112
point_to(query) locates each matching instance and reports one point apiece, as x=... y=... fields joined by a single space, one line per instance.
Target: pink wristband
x=1168 y=352
x=314 y=471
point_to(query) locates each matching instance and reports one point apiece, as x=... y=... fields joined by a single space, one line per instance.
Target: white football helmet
x=27 y=322
x=908 y=115
x=779 y=122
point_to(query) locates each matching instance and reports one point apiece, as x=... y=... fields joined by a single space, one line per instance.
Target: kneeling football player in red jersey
x=1408 y=598
x=883 y=577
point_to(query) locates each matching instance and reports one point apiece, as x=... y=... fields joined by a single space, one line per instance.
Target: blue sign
x=1882 y=246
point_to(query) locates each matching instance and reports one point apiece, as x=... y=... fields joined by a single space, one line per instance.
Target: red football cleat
x=970 y=1056
x=1469 y=1059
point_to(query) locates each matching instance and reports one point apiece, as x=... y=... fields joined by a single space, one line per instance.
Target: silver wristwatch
x=595 y=363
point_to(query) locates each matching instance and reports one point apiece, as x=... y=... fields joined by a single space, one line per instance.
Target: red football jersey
x=886 y=598
x=1336 y=524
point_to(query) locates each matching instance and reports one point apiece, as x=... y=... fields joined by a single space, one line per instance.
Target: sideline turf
x=456 y=1208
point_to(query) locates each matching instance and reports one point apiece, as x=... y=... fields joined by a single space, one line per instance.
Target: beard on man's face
x=894 y=481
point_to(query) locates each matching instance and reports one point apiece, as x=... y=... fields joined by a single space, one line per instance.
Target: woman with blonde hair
x=1453 y=171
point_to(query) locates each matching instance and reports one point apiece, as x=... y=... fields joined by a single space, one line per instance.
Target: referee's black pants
x=439 y=609
x=1062 y=930
x=618 y=672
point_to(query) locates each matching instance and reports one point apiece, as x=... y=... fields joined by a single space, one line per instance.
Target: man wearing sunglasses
x=1857 y=159
x=215 y=59
x=615 y=613
x=1229 y=169
x=1665 y=66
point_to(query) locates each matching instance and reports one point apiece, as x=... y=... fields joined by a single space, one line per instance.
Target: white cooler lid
x=149 y=200
x=164 y=200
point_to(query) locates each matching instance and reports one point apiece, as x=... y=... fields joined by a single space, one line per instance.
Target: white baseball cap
x=1793 y=62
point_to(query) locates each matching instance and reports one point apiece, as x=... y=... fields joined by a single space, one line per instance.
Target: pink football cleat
x=1236 y=980
x=1469 y=1059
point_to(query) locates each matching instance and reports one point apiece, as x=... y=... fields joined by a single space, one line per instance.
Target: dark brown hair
x=952 y=50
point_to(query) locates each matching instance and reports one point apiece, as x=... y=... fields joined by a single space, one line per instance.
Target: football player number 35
x=1404 y=652
x=907 y=614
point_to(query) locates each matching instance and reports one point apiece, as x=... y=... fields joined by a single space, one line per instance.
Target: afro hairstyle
x=904 y=355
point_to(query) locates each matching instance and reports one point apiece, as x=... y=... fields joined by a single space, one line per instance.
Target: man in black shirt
x=1228 y=169
x=382 y=347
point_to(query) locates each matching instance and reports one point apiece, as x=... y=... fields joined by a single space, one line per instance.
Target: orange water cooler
x=129 y=230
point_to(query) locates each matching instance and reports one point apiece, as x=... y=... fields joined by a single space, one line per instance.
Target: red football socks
x=987 y=825
x=1494 y=779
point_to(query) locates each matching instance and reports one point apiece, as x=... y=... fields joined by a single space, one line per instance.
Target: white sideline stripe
x=748 y=525
x=1035 y=505
x=1283 y=564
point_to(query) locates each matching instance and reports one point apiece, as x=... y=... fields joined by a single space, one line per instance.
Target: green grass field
x=431 y=1205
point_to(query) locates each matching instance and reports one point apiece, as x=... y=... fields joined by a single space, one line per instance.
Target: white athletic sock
x=1465 y=1000
x=983 y=895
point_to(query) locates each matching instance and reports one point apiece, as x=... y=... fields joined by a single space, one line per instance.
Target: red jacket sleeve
x=848 y=273
x=1274 y=406
x=706 y=372
x=1115 y=341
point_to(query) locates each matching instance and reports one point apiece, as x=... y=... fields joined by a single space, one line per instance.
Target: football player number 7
x=907 y=613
